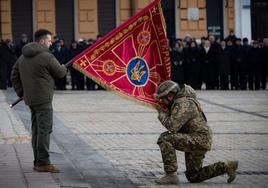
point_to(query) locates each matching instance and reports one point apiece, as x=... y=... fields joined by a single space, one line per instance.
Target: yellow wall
x=86 y=16
x=86 y=19
x=5 y=14
x=129 y=7
x=124 y=10
x=44 y=11
x=196 y=28
x=140 y=4
x=230 y=15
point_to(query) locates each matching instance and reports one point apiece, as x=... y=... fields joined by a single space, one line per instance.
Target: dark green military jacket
x=186 y=116
x=34 y=72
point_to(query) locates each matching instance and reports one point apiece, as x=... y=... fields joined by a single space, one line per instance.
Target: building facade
x=74 y=19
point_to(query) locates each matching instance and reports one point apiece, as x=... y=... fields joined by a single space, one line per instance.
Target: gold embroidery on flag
x=117 y=37
x=83 y=62
x=109 y=67
x=144 y=38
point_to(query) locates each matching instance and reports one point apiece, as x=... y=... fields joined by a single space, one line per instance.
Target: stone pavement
x=102 y=140
x=16 y=153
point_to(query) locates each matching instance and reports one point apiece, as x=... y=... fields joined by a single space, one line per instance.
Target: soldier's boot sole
x=231 y=170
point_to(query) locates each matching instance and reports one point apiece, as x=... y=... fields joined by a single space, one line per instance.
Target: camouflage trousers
x=195 y=172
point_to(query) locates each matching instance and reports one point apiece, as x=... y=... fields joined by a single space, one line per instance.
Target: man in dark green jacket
x=33 y=79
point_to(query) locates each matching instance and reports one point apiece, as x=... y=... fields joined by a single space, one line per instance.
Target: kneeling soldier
x=181 y=114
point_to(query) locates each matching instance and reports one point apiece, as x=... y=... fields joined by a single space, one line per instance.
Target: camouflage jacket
x=186 y=116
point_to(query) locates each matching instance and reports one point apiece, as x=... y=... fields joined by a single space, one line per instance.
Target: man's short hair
x=41 y=33
x=245 y=39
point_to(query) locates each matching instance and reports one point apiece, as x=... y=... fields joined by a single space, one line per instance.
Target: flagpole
x=68 y=64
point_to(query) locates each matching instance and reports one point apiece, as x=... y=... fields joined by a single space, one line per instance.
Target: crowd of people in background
x=206 y=63
x=9 y=53
x=230 y=63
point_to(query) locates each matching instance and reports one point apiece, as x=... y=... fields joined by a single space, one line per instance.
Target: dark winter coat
x=224 y=62
x=34 y=72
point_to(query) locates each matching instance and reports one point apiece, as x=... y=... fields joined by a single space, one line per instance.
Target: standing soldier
x=181 y=114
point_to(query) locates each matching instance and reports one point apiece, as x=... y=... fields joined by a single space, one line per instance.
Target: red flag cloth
x=133 y=58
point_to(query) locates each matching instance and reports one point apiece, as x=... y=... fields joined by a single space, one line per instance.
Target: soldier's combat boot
x=171 y=178
x=231 y=167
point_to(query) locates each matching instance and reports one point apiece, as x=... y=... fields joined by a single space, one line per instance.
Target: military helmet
x=165 y=88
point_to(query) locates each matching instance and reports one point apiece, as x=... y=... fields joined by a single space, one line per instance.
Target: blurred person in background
x=207 y=64
x=231 y=36
x=215 y=67
x=61 y=54
x=23 y=41
x=7 y=60
x=193 y=72
x=264 y=63
x=223 y=59
x=77 y=78
x=237 y=63
x=254 y=60
x=177 y=60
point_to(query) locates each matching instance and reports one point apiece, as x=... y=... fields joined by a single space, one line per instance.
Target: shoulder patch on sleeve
x=175 y=108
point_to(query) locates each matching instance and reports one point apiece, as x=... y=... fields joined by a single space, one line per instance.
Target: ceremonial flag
x=133 y=58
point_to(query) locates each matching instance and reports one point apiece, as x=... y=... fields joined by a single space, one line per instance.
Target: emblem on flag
x=137 y=72
x=109 y=67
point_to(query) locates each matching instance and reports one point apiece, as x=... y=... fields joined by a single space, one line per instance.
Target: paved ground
x=102 y=140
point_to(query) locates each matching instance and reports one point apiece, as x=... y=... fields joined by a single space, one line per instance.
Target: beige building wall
x=44 y=14
x=124 y=10
x=86 y=19
x=196 y=28
x=140 y=4
x=127 y=8
x=5 y=15
x=229 y=15
x=86 y=16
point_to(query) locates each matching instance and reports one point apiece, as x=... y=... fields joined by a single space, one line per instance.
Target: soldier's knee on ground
x=192 y=177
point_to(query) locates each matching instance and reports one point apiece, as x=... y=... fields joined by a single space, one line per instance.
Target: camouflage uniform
x=188 y=132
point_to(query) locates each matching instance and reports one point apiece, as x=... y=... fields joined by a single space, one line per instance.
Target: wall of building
x=44 y=14
x=140 y=4
x=123 y=11
x=242 y=20
x=5 y=20
x=228 y=16
x=86 y=19
x=196 y=28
